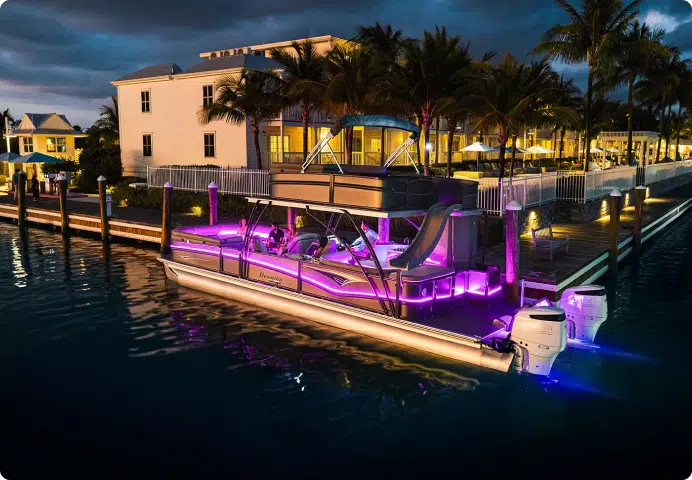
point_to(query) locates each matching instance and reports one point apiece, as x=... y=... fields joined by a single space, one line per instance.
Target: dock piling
x=64 y=219
x=512 y=233
x=290 y=216
x=21 y=199
x=614 y=233
x=104 y=208
x=640 y=196
x=213 y=203
x=166 y=217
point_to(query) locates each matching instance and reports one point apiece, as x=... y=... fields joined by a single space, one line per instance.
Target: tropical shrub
x=96 y=162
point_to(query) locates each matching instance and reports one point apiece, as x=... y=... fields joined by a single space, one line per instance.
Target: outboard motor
x=586 y=308
x=539 y=335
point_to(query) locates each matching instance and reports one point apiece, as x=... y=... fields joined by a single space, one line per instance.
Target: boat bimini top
x=382 y=121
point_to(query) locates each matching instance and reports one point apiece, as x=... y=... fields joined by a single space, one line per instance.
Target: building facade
x=159 y=123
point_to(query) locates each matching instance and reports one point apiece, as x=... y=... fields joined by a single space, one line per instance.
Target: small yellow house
x=47 y=133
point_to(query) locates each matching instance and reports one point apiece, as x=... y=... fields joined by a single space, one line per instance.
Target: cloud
x=668 y=23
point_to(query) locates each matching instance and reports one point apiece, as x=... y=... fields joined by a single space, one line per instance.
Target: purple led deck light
x=209 y=250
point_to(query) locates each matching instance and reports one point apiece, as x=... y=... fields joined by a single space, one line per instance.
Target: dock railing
x=231 y=180
x=529 y=190
x=665 y=171
x=582 y=187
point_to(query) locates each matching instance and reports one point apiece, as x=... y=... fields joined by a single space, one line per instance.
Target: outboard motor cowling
x=586 y=308
x=540 y=334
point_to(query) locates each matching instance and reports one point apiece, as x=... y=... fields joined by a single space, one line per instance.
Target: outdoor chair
x=543 y=237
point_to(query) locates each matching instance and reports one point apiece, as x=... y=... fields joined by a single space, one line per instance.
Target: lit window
x=146 y=145
x=209 y=145
x=207 y=95
x=274 y=145
x=28 y=144
x=61 y=145
x=51 y=144
x=375 y=144
x=146 y=101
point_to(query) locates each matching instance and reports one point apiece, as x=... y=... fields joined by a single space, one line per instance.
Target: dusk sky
x=60 y=55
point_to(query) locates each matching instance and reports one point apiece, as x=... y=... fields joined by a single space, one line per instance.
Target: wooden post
x=383 y=229
x=213 y=203
x=639 y=197
x=21 y=199
x=166 y=220
x=105 y=228
x=290 y=216
x=64 y=219
x=614 y=232
x=512 y=233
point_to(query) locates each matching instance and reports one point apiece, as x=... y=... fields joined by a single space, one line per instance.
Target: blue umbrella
x=8 y=156
x=37 y=157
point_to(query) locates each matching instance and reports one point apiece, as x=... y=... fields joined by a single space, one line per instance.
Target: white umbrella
x=595 y=150
x=537 y=149
x=477 y=147
x=612 y=150
x=508 y=150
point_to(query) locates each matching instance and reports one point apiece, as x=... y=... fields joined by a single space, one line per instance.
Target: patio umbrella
x=612 y=150
x=477 y=147
x=36 y=157
x=508 y=150
x=537 y=149
x=8 y=156
x=595 y=150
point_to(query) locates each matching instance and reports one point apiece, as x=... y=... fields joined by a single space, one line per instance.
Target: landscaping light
x=428 y=146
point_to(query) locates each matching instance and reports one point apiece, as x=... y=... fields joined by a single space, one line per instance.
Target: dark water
x=108 y=370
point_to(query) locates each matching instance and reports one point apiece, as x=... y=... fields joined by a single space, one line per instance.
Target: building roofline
x=268 y=46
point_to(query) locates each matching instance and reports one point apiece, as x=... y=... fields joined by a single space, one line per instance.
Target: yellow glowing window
x=376 y=144
x=275 y=146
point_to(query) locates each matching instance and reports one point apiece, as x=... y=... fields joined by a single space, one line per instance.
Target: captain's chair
x=258 y=246
x=301 y=243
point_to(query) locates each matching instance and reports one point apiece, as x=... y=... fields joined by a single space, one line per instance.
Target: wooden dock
x=587 y=259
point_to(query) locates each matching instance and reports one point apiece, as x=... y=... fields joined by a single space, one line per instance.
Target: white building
x=159 y=108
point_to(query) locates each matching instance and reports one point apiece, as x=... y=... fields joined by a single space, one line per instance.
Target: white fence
x=528 y=190
x=664 y=171
x=232 y=181
x=582 y=187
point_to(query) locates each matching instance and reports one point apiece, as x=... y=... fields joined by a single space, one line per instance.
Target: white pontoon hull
x=381 y=327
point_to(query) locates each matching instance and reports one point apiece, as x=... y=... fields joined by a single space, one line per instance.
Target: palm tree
x=385 y=46
x=252 y=96
x=418 y=84
x=683 y=95
x=348 y=85
x=5 y=114
x=633 y=51
x=108 y=124
x=301 y=65
x=510 y=96
x=590 y=36
x=566 y=95
x=660 y=85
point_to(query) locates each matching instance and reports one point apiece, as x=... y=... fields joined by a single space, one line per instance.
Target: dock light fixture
x=196 y=211
x=429 y=146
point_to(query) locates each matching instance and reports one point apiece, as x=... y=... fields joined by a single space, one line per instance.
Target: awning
x=37 y=157
x=382 y=121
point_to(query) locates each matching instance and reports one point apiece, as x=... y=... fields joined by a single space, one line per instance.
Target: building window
x=207 y=95
x=146 y=101
x=375 y=144
x=28 y=144
x=209 y=145
x=146 y=145
x=275 y=146
x=55 y=145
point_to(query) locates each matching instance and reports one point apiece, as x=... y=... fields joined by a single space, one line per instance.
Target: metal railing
x=665 y=171
x=528 y=190
x=231 y=180
x=582 y=187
